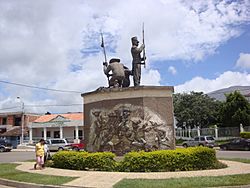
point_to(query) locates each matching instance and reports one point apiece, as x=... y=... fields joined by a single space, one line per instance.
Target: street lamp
x=22 y=120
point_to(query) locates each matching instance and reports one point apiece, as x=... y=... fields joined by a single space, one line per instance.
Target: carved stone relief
x=126 y=128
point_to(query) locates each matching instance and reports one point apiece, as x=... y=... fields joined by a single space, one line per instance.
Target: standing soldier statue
x=137 y=60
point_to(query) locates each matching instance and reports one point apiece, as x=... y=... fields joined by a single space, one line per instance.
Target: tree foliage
x=195 y=108
x=235 y=111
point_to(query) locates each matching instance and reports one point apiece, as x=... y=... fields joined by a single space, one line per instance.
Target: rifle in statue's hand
x=144 y=52
x=105 y=64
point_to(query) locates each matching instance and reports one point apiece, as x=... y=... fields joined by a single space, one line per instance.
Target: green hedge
x=245 y=134
x=103 y=161
x=193 y=158
x=169 y=160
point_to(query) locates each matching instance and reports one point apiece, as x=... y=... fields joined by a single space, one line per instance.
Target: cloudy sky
x=192 y=45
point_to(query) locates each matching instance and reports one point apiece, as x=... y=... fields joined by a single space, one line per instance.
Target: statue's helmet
x=134 y=39
x=114 y=60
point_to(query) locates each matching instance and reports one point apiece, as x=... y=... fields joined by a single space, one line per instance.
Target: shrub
x=245 y=134
x=196 y=158
x=169 y=160
x=103 y=161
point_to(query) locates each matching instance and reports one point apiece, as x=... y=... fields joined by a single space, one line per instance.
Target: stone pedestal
x=126 y=119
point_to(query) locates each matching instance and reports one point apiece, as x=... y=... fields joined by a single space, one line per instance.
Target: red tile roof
x=71 y=116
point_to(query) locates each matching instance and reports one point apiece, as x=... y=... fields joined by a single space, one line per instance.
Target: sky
x=192 y=45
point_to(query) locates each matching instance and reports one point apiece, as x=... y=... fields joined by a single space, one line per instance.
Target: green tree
x=196 y=108
x=235 y=110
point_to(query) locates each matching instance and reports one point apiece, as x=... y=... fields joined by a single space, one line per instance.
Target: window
x=17 y=121
x=54 y=141
x=196 y=139
x=80 y=134
x=56 y=134
x=59 y=141
x=48 y=134
x=202 y=139
x=4 y=121
x=210 y=138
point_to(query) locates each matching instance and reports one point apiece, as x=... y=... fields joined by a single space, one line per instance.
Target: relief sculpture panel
x=127 y=127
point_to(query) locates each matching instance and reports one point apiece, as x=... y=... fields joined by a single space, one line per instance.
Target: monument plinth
x=126 y=119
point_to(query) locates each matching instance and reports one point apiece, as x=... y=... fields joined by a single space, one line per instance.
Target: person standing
x=46 y=153
x=39 y=155
x=137 y=60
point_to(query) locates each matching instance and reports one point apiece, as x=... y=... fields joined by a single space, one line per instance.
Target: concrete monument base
x=129 y=119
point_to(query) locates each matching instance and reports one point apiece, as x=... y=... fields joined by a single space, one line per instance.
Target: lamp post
x=22 y=120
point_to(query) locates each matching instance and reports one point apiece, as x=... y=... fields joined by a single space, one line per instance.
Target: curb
x=19 y=184
x=19 y=150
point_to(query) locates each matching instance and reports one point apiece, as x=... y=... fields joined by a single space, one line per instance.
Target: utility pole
x=22 y=121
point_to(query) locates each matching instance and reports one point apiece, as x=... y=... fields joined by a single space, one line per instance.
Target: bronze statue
x=137 y=60
x=118 y=72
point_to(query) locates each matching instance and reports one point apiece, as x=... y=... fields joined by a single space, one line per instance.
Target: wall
x=123 y=119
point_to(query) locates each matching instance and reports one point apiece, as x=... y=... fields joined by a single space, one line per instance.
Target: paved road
x=17 y=156
x=233 y=154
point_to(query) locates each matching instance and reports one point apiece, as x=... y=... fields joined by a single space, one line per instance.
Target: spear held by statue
x=144 y=52
x=105 y=63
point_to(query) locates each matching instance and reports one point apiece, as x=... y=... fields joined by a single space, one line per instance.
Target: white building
x=68 y=126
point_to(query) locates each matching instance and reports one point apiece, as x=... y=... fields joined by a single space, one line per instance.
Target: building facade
x=14 y=124
x=69 y=126
x=247 y=96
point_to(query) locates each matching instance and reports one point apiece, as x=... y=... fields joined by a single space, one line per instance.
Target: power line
x=41 y=105
x=10 y=108
x=36 y=87
x=44 y=105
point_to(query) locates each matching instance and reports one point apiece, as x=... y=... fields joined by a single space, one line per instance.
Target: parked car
x=75 y=146
x=237 y=144
x=5 y=146
x=63 y=144
x=207 y=141
x=56 y=144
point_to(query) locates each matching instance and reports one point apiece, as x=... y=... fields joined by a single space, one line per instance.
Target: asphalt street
x=16 y=156
x=233 y=154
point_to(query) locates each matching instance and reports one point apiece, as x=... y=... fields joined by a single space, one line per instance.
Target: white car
x=56 y=144
x=207 y=141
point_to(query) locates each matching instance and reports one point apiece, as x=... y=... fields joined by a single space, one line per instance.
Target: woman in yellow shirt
x=39 y=154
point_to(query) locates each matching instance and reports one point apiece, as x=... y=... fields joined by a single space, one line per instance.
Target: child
x=39 y=154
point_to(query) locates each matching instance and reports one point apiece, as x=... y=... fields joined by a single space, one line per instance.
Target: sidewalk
x=108 y=179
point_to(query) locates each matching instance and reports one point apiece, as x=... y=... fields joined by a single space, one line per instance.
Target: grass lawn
x=194 y=182
x=236 y=159
x=232 y=180
x=8 y=171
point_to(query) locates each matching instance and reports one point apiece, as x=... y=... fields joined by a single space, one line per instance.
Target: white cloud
x=243 y=61
x=42 y=40
x=172 y=70
x=224 y=80
x=150 y=77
